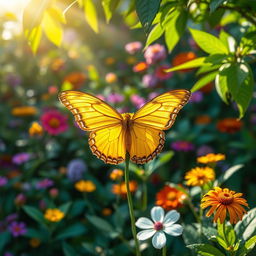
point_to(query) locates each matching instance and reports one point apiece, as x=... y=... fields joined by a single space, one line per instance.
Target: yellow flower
x=54 y=215
x=131 y=60
x=223 y=201
x=34 y=242
x=120 y=189
x=24 y=111
x=211 y=158
x=85 y=186
x=199 y=176
x=116 y=174
x=35 y=129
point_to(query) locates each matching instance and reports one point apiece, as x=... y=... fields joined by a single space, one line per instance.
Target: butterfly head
x=127 y=116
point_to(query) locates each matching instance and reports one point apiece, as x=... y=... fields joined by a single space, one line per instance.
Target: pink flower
x=161 y=74
x=137 y=101
x=149 y=80
x=133 y=47
x=115 y=98
x=54 y=122
x=155 y=53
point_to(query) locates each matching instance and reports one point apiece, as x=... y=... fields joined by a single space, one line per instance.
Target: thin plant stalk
x=130 y=204
x=144 y=195
x=164 y=251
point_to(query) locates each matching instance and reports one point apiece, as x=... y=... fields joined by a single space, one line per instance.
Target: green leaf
x=147 y=10
x=91 y=14
x=216 y=59
x=100 y=224
x=248 y=41
x=190 y=64
x=109 y=6
x=154 y=34
x=35 y=233
x=205 y=250
x=74 y=230
x=65 y=207
x=5 y=237
x=34 y=37
x=228 y=40
x=214 y=4
x=221 y=242
x=247 y=227
x=207 y=68
x=203 y=81
x=228 y=173
x=68 y=250
x=52 y=27
x=249 y=245
x=35 y=214
x=175 y=28
x=208 y=42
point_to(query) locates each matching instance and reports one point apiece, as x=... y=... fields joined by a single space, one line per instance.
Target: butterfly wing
x=91 y=113
x=108 y=144
x=148 y=123
x=160 y=113
x=107 y=136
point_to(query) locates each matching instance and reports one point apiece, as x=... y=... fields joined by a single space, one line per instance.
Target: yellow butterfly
x=112 y=134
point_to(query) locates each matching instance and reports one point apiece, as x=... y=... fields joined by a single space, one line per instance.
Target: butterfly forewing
x=160 y=113
x=90 y=112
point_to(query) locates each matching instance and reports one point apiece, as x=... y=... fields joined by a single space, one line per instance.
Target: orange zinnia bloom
x=170 y=198
x=199 y=176
x=24 y=111
x=120 y=189
x=229 y=125
x=140 y=67
x=203 y=119
x=116 y=174
x=211 y=158
x=76 y=79
x=183 y=58
x=223 y=201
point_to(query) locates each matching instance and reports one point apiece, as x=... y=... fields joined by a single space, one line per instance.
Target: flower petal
x=145 y=234
x=171 y=217
x=174 y=230
x=159 y=240
x=157 y=214
x=144 y=223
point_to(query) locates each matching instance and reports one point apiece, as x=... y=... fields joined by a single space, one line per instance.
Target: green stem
x=193 y=210
x=130 y=204
x=144 y=195
x=164 y=251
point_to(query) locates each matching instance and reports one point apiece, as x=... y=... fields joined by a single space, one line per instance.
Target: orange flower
x=229 y=125
x=199 y=176
x=203 y=119
x=116 y=174
x=182 y=58
x=131 y=60
x=85 y=186
x=110 y=61
x=110 y=78
x=35 y=129
x=57 y=64
x=223 y=201
x=140 y=67
x=34 y=242
x=106 y=212
x=211 y=158
x=24 y=111
x=120 y=189
x=170 y=198
x=76 y=79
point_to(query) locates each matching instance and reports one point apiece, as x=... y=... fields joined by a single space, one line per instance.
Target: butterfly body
x=112 y=134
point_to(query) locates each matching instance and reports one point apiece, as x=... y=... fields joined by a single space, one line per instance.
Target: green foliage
x=205 y=250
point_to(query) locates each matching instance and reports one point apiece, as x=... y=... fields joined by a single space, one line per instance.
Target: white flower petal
x=157 y=214
x=174 y=230
x=145 y=234
x=144 y=223
x=159 y=240
x=171 y=217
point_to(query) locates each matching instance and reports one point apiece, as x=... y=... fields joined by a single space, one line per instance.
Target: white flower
x=162 y=224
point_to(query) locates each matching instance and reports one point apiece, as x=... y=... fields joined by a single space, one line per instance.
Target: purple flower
x=133 y=47
x=115 y=98
x=13 y=80
x=8 y=254
x=11 y=217
x=21 y=158
x=3 y=181
x=196 y=97
x=149 y=80
x=152 y=95
x=183 y=146
x=137 y=101
x=20 y=199
x=155 y=53
x=45 y=183
x=204 y=150
x=75 y=169
x=17 y=228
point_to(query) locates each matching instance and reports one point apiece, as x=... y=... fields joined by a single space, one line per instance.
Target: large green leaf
x=34 y=213
x=34 y=37
x=175 y=28
x=109 y=7
x=203 y=81
x=91 y=14
x=68 y=250
x=247 y=247
x=74 y=230
x=154 y=34
x=198 y=62
x=214 y=4
x=228 y=173
x=208 y=42
x=147 y=10
x=205 y=250
x=5 y=237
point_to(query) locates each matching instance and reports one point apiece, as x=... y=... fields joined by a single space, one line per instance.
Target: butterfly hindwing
x=91 y=113
x=108 y=144
x=160 y=113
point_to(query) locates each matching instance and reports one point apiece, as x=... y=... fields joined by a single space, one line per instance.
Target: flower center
x=171 y=195
x=158 y=226
x=225 y=198
x=54 y=122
